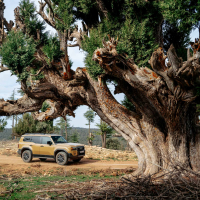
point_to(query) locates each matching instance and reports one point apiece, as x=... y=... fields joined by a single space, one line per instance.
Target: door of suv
x=46 y=149
x=35 y=144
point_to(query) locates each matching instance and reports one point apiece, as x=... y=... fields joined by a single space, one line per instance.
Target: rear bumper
x=19 y=151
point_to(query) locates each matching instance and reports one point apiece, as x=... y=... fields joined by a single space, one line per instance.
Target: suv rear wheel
x=61 y=158
x=27 y=156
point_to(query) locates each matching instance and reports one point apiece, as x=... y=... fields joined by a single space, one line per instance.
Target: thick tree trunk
x=180 y=147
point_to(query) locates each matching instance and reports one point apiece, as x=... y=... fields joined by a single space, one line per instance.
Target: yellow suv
x=43 y=146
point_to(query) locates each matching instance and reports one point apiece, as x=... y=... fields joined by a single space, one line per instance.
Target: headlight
x=73 y=148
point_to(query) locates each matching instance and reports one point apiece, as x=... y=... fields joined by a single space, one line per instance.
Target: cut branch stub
x=78 y=35
x=195 y=46
x=106 y=56
x=175 y=62
x=157 y=60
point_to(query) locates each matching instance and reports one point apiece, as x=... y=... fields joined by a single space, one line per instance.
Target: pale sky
x=8 y=82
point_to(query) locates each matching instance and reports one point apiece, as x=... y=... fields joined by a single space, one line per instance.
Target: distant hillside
x=82 y=135
x=6 y=134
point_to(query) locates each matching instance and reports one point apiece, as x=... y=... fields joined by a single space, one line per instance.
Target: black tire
x=42 y=159
x=77 y=160
x=61 y=158
x=27 y=156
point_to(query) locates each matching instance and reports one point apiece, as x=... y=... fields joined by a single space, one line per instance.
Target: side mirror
x=49 y=143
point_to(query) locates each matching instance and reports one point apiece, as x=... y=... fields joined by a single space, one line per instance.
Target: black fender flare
x=58 y=150
x=26 y=148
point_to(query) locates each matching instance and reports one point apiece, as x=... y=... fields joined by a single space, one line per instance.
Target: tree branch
x=2 y=68
x=41 y=12
x=102 y=8
x=22 y=105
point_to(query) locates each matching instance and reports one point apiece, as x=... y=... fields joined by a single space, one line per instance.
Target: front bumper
x=78 y=155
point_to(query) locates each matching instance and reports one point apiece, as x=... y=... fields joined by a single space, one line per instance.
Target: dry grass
x=178 y=185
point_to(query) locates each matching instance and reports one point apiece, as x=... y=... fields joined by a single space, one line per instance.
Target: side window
x=36 y=139
x=45 y=140
x=27 y=139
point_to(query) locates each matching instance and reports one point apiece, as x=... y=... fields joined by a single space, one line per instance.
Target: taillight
x=18 y=146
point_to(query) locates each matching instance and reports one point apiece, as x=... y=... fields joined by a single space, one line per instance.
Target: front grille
x=81 y=150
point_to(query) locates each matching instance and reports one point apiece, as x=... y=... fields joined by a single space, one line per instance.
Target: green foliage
x=104 y=129
x=18 y=53
x=89 y=115
x=186 y=12
x=52 y=49
x=135 y=30
x=90 y=138
x=30 y=19
x=74 y=137
x=44 y=127
x=45 y=105
x=136 y=24
x=3 y=124
x=28 y=125
x=25 y=125
x=113 y=143
x=90 y=44
x=137 y=40
x=34 y=71
x=64 y=10
x=62 y=125
x=128 y=104
x=179 y=38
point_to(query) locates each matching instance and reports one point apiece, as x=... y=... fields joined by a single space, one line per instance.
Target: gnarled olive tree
x=161 y=127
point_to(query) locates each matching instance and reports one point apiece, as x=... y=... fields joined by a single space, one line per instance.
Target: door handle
x=30 y=145
x=41 y=146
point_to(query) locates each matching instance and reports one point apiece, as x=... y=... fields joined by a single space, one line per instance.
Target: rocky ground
x=10 y=147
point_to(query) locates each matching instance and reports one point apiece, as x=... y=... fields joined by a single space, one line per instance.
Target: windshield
x=58 y=139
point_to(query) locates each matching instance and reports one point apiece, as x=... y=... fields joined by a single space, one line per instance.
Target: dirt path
x=14 y=163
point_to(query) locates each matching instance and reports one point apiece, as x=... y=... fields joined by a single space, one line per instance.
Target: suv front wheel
x=27 y=156
x=61 y=158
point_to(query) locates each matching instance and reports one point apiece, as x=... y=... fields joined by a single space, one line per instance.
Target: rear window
x=35 y=139
x=27 y=139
